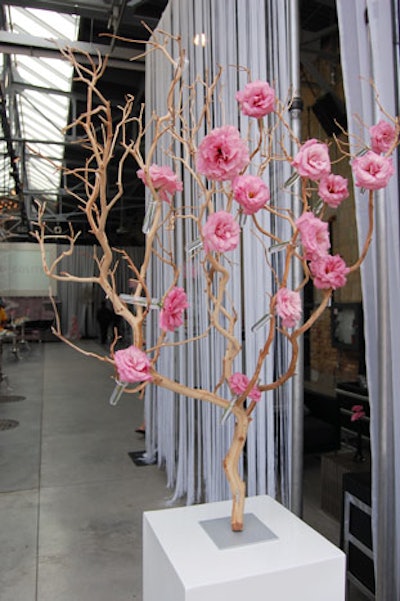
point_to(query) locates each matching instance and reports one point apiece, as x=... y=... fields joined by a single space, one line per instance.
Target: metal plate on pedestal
x=254 y=531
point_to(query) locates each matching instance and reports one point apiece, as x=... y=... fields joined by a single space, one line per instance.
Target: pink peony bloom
x=372 y=171
x=251 y=192
x=383 y=136
x=329 y=272
x=314 y=235
x=221 y=232
x=312 y=160
x=238 y=383
x=133 y=365
x=288 y=307
x=257 y=99
x=174 y=304
x=333 y=189
x=222 y=154
x=163 y=179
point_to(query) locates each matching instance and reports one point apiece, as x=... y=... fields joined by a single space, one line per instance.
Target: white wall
x=21 y=271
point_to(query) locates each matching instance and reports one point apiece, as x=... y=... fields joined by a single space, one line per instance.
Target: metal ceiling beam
x=89 y=8
x=5 y=124
x=86 y=8
x=121 y=58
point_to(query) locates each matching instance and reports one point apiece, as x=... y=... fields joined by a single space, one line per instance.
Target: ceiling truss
x=117 y=19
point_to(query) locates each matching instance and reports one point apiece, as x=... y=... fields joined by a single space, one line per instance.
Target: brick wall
x=329 y=364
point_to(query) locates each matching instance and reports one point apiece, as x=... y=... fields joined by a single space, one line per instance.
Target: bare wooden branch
x=180 y=126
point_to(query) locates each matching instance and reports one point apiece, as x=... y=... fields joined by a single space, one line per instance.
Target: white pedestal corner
x=182 y=562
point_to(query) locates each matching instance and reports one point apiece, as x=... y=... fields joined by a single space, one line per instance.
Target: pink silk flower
x=221 y=232
x=163 y=180
x=257 y=99
x=222 y=154
x=133 y=365
x=174 y=304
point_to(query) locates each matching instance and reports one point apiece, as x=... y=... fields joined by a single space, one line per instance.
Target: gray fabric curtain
x=369 y=50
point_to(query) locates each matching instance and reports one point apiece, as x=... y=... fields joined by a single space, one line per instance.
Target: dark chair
x=356 y=532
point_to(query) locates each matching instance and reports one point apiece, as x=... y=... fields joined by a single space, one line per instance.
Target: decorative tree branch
x=218 y=165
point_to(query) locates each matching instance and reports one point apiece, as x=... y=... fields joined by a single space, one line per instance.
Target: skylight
x=38 y=90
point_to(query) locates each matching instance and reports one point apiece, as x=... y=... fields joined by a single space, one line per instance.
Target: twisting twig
x=177 y=130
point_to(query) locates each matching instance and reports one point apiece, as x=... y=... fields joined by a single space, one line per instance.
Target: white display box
x=291 y=562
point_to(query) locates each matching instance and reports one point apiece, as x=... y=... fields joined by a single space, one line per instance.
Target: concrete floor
x=71 y=498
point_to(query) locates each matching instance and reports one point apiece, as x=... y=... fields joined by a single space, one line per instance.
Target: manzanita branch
x=216 y=162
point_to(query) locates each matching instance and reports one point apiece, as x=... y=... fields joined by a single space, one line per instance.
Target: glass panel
x=42 y=115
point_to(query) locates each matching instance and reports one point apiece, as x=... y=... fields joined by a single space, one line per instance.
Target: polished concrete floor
x=71 y=498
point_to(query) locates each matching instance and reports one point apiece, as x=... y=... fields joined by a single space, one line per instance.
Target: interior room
x=128 y=321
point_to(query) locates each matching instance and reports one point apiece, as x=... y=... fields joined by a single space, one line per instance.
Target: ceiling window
x=37 y=91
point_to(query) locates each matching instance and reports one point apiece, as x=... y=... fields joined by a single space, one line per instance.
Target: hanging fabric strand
x=368 y=41
x=187 y=435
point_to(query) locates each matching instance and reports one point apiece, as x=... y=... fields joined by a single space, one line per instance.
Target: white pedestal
x=182 y=562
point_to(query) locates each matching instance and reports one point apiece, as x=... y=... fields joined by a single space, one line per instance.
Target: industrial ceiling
x=38 y=97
